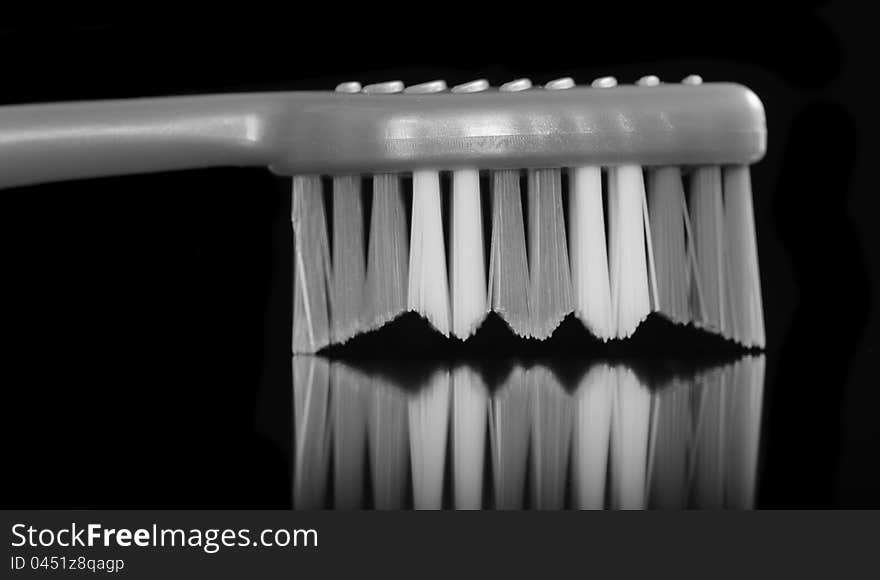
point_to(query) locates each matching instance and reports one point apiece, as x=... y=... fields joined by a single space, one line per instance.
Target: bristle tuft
x=629 y=268
x=747 y=313
x=468 y=269
x=508 y=267
x=311 y=266
x=550 y=279
x=708 y=229
x=589 y=256
x=348 y=258
x=385 y=295
x=428 y=292
x=667 y=211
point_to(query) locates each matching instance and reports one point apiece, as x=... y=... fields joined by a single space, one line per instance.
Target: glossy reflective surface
x=536 y=435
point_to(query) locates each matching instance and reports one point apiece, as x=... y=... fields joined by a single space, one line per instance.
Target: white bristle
x=428 y=421
x=388 y=439
x=348 y=258
x=428 y=292
x=468 y=269
x=589 y=257
x=630 y=298
x=630 y=422
x=470 y=411
x=349 y=416
x=747 y=316
x=667 y=214
x=549 y=276
x=649 y=249
x=552 y=416
x=707 y=214
x=311 y=377
x=592 y=433
x=385 y=295
x=508 y=267
x=311 y=266
x=672 y=426
x=509 y=440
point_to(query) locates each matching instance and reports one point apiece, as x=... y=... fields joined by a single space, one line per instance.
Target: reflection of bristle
x=551 y=438
x=385 y=295
x=550 y=280
x=428 y=421
x=388 y=443
x=747 y=313
x=630 y=299
x=428 y=292
x=592 y=430
x=470 y=408
x=708 y=228
x=672 y=426
x=508 y=439
x=508 y=268
x=467 y=264
x=349 y=406
x=348 y=258
x=667 y=214
x=629 y=441
x=311 y=266
x=692 y=441
x=311 y=436
x=589 y=257
x=710 y=457
x=745 y=393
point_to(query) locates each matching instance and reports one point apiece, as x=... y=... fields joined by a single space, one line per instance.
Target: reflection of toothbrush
x=311 y=431
x=428 y=426
x=470 y=409
x=630 y=421
x=745 y=395
x=592 y=428
x=690 y=441
x=388 y=440
x=691 y=257
x=509 y=431
x=552 y=417
x=348 y=403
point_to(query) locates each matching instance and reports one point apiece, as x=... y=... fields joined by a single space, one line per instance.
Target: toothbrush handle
x=52 y=142
x=295 y=133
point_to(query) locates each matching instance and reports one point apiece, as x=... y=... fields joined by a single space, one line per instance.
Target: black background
x=147 y=317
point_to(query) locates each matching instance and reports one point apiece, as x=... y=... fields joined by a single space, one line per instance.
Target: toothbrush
x=667 y=161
